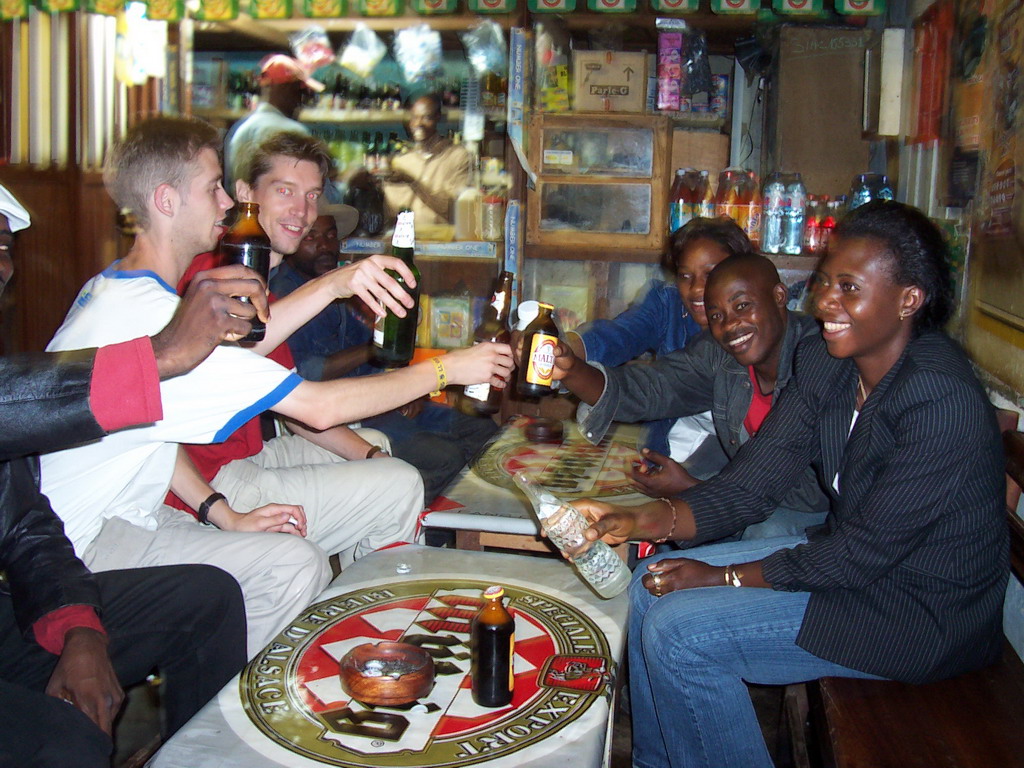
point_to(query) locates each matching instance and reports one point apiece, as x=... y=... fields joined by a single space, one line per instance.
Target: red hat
x=278 y=69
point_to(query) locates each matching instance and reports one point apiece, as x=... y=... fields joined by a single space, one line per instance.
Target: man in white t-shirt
x=109 y=493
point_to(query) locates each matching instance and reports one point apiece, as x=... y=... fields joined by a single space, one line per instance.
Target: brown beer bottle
x=483 y=398
x=538 y=361
x=247 y=244
x=492 y=644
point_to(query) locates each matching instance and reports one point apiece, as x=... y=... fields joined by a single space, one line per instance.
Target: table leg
x=468 y=540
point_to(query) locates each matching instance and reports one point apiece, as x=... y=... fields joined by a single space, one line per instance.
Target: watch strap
x=203 y=513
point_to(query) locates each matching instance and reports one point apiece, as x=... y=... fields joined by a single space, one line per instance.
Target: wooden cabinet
x=602 y=183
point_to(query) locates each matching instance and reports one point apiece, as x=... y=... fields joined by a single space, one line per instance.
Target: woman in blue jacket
x=906 y=582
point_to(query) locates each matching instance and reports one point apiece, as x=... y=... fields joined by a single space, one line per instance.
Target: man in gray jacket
x=735 y=370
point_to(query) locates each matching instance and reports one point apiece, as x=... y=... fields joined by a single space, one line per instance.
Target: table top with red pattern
x=572 y=468
x=287 y=708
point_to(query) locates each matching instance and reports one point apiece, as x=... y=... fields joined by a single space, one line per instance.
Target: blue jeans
x=691 y=651
x=783 y=522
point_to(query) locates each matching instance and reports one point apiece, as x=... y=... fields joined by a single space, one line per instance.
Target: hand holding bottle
x=487 y=362
x=564 y=524
x=369 y=280
x=565 y=358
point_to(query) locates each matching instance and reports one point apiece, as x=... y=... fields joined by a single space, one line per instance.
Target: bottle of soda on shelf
x=772 y=211
x=705 y=199
x=676 y=201
x=380 y=153
x=793 y=222
x=246 y=243
x=483 y=398
x=394 y=337
x=812 y=234
x=492 y=643
x=595 y=561
x=738 y=199
x=538 y=360
x=828 y=223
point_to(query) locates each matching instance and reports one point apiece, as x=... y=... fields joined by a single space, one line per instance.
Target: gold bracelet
x=671 y=530
x=442 y=376
x=733 y=577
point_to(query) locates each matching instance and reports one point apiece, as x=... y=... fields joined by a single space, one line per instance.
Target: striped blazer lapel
x=835 y=425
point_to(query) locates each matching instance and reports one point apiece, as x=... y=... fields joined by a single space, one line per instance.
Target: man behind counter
x=428 y=177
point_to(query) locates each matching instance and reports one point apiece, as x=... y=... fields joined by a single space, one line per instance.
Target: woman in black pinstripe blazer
x=907 y=580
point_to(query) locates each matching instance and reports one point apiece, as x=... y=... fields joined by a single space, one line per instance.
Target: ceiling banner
x=551 y=6
x=217 y=10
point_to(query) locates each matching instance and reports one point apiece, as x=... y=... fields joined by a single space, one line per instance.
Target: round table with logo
x=287 y=708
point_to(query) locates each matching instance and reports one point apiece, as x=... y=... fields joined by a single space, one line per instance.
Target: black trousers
x=186 y=621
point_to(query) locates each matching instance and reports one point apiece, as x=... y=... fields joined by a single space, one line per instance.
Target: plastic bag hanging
x=418 y=53
x=486 y=50
x=363 y=52
x=312 y=48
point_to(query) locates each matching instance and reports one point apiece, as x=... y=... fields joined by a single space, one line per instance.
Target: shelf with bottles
x=330 y=115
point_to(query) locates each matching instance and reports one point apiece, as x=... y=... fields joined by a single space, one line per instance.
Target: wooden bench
x=972 y=721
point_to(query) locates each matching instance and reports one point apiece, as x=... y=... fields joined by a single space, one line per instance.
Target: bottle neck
x=501 y=301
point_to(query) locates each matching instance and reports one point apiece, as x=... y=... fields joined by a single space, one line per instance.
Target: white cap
x=15 y=212
x=527 y=313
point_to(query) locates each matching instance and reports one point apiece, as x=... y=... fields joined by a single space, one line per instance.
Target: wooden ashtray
x=387 y=673
x=544 y=431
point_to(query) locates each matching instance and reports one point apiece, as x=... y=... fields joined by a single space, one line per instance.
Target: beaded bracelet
x=442 y=376
x=671 y=530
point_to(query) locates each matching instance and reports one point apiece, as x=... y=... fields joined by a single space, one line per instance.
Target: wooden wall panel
x=817 y=103
x=73 y=236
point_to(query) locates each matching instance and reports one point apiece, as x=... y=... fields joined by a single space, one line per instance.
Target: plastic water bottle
x=860 y=190
x=796 y=215
x=772 y=209
x=595 y=561
x=884 y=189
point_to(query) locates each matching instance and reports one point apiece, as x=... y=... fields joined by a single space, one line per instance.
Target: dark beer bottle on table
x=492 y=644
x=394 y=337
x=538 y=360
x=247 y=244
x=483 y=398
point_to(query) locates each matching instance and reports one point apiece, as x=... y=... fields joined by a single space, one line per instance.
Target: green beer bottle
x=394 y=337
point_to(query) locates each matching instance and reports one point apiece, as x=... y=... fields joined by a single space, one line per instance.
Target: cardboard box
x=610 y=81
x=703 y=150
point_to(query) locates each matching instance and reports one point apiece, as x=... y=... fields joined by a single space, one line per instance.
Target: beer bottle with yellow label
x=538 y=360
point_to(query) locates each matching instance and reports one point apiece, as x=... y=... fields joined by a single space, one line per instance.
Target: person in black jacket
x=907 y=580
x=69 y=639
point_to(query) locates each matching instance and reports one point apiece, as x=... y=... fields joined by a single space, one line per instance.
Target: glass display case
x=602 y=183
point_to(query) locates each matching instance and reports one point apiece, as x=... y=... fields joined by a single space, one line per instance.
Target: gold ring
x=656 y=581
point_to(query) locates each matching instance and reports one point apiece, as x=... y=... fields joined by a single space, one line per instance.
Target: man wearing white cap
x=284 y=83
x=68 y=638
x=13 y=218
